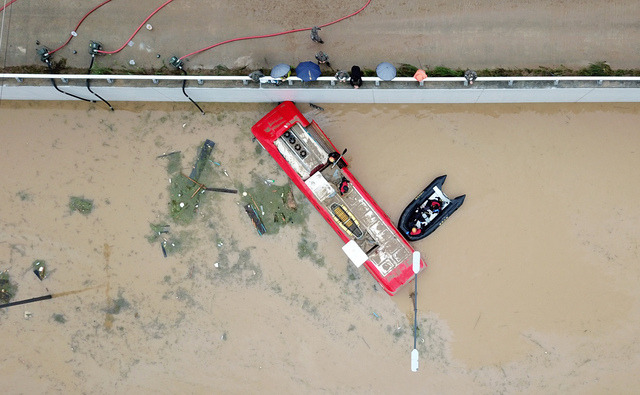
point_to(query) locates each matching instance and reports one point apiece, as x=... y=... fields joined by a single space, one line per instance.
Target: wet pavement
x=456 y=34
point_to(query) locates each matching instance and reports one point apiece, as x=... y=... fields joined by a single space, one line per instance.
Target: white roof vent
x=355 y=253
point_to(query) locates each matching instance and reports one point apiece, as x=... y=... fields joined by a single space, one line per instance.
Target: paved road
x=455 y=33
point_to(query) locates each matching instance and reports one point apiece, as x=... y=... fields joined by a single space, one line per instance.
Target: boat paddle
x=415 y=353
x=339 y=157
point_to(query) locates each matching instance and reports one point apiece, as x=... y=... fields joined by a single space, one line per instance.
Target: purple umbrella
x=386 y=71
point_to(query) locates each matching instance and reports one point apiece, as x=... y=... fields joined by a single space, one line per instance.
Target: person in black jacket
x=356 y=77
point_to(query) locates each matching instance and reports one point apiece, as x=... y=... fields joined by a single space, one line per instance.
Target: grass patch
x=352 y=283
x=406 y=70
x=60 y=318
x=184 y=193
x=61 y=67
x=183 y=295
x=183 y=203
x=596 y=69
x=175 y=243
x=309 y=249
x=441 y=71
x=174 y=163
x=275 y=204
x=234 y=264
x=309 y=307
x=171 y=243
x=117 y=305
x=397 y=331
x=157 y=230
x=8 y=288
x=23 y=195
x=368 y=73
x=352 y=272
x=81 y=205
x=275 y=287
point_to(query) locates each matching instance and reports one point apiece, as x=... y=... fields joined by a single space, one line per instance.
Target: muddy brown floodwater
x=532 y=285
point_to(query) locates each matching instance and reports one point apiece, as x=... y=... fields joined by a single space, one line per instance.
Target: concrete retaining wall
x=327 y=90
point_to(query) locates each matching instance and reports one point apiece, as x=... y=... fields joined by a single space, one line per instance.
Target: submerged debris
x=173 y=244
x=39 y=267
x=169 y=154
x=257 y=222
x=205 y=152
x=291 y=201
x=81 y=205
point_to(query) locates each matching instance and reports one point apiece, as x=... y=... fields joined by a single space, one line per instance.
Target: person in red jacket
x=344 y=186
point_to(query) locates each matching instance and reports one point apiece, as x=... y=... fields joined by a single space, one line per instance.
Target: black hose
x=89 y=85
x=53 y=81
x=184 y=84
x=19 y=302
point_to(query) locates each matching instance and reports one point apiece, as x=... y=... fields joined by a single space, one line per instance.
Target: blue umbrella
x=386 y=71
x=308 y=71
x=280 y=70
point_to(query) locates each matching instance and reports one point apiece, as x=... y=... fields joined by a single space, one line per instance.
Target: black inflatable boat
x=427 y=211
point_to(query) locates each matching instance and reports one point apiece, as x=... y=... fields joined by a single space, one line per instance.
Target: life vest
x=435 y=205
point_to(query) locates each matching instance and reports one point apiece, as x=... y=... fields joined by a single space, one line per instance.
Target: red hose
x=273 y=34
x=137 y=30
x=7 y=5
x=77 y=26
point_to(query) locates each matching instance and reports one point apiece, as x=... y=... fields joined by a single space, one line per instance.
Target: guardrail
x=294 y=79
x=326 y=89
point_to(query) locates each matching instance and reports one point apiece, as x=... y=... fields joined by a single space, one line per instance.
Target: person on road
x=323 y=58
x=342 y=76
x=356 y=77
x=314 y=35
x=471 y=76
